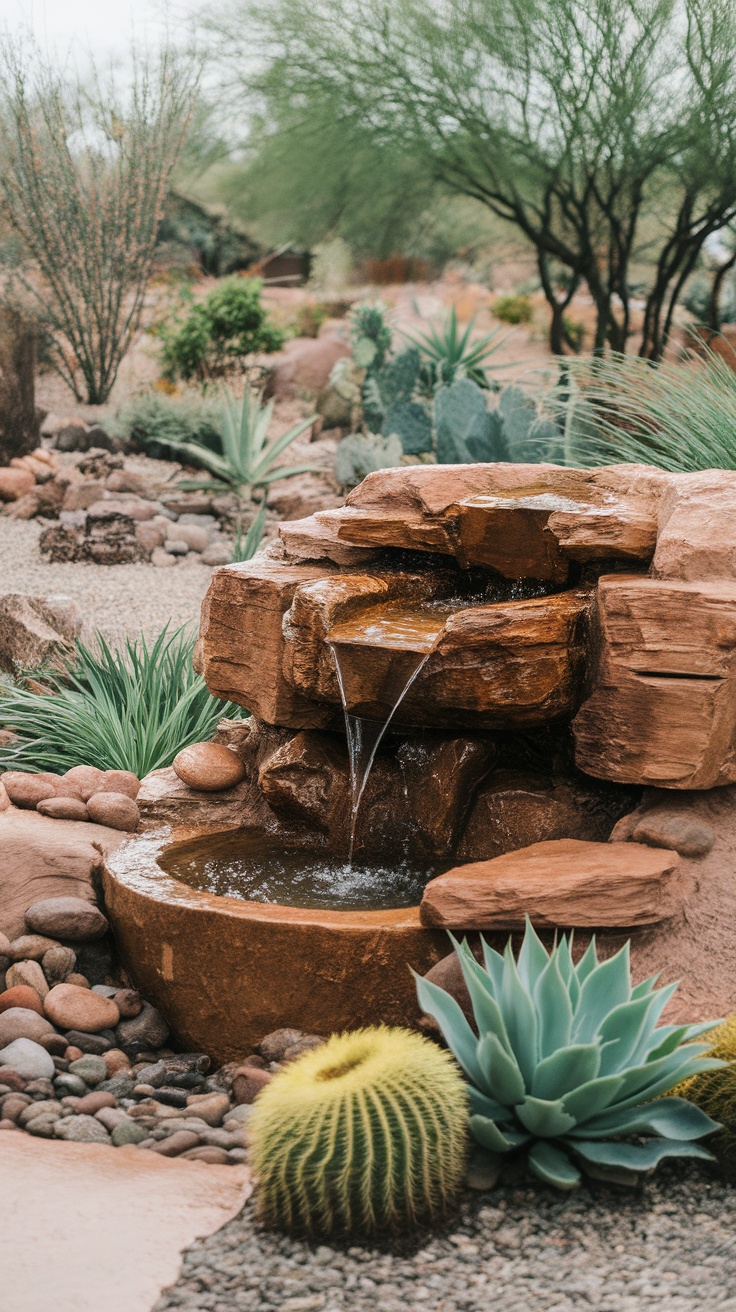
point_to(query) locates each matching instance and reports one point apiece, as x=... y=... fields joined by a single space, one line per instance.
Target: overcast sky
x=104 y=27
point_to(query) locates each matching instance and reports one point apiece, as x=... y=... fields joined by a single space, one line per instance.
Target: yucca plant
x=247 y=460
x=568 y=1059
x=448 y=354
x=680 y=417
x=368 y=1132
x=130 y=709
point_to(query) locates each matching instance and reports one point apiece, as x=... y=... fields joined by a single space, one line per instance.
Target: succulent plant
x=714 y=1092
x=568 y=1059
x=368 y=1132
x=359 y=454
x=466 y=430
x=448 y=354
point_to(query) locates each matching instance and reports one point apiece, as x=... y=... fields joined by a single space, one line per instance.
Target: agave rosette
x=569 y=1064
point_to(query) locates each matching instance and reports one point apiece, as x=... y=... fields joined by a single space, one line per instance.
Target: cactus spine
x=366 y=1133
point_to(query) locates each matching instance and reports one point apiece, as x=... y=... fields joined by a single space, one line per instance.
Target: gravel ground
x=670 y=1247
x=118 y=599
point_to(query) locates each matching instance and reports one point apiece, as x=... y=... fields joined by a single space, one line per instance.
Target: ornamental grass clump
x=568 y=1064
x=367 y=1133
x=130 y=709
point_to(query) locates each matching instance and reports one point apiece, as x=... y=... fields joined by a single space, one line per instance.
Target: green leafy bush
x=567 y=1061
x=218 y=334
x=246 y=459
x=131 y=709
x=368 y=1132
x=513 y=309
x=152 y=421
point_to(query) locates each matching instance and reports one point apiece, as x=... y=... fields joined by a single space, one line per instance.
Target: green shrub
x=131 y=709
x=220 y=333
x=567 y=1060
x=368 y=1132
x=513 y=309
x=151 y=422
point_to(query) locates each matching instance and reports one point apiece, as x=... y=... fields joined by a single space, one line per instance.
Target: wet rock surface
x=667 y=1248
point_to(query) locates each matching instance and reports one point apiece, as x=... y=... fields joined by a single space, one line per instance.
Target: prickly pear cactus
x=366 y=1133
x=465 y=428
x=360 y=454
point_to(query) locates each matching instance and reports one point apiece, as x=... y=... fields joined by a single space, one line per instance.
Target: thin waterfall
x=355 y=728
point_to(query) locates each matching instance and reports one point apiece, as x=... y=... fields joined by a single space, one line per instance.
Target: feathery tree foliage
x=83 y=177
x=571 y=119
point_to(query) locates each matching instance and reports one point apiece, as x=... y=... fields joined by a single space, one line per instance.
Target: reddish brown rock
x=63 y=808
x=31 y=947
x=243 y=600
x=697 y=527
x=248 y=1082
x=84 y=780
x=115 y=1060
x=566 y=882
x=128 y=1002
x=74 y=1008
x=94 y=1102
x=35 y=631
x=57 y=963
x=120 y=781
x=176 y=1144
x=305 y=365
x=26 y=790
x=663 y=706
x=15 y=483
x=116 y=810
x=21 y=995
x=209 y=767
x=317 y=539
x=70 y=918
x=80 y=981
x=516 y=808
x=683 y=834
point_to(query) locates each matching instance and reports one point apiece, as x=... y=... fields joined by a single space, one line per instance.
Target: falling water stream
x=365 y=737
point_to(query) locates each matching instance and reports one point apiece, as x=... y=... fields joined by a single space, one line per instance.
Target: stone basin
x=225 y=971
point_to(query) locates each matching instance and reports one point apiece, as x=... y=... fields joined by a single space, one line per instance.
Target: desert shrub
x=152 y=421
x=368 y=1132
x=567 y=1063
x=218 y=335
x=128 y=709
x=513 y=309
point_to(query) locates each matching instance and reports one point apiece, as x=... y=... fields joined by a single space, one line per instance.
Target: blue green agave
x=568 y=1065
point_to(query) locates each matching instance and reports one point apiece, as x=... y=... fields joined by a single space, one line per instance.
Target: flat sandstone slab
x=565 y=882
x=111 y=1223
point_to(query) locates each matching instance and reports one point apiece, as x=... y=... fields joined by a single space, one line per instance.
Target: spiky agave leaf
x=567 y=1059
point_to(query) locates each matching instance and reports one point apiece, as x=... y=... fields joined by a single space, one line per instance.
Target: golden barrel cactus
x=368 y=1132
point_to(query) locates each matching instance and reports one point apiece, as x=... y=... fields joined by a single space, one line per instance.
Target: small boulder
x=30 y=973
x=63 y=808
x=71 y=1007
x=680 y=833
x=30 y=947
x=248 y=1082
x=176 y=1143
x=69 y=918
x=22 y=1023
x=84 y=779
x=209 y=1107
x=162 y=559
x=15 y=483
x=89 y=1068
x=120 y=781
x=217 y=553
x=27 y=1059
x=93 y=1102
x=147 y=1031
x=195 y=537
x=81 y=1129
x=209 y=767
x=95 y=1045
x=116 y=810
x=22 y=995
x=128 y=1002
x=127 y=1132
x=57 y=963
x=27 y=790
x=273 y=1046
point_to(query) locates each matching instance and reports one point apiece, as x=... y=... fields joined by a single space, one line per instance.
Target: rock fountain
x=522 y=655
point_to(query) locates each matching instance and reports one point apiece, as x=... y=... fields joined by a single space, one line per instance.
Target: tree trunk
x=714 y=304
x=18 y=351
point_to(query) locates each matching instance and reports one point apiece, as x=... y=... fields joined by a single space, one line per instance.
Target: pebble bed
x=670 y=1246
x=118 y=599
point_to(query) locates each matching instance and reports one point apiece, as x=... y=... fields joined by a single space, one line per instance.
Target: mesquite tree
x=83 y=178
x=595 y=127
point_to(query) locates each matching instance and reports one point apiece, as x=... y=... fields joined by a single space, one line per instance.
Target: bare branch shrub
x=83 y=177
